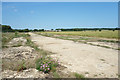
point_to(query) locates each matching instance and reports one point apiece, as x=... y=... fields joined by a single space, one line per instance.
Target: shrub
x=46 y=64
x=16 y=34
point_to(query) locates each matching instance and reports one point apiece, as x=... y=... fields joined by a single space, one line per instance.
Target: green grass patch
x=79 y=75
x=102 y=59
x=104 y=46
x=56 y=75
x=112 y=41
x=95 y=75
x=21 y=67
x=86 y=72
x=17 y=45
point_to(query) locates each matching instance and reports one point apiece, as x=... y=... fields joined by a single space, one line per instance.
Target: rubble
x=17 y=41
x=29 y=73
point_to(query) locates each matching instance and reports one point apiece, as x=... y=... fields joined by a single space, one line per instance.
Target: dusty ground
x=92 y=61
x=15 y=55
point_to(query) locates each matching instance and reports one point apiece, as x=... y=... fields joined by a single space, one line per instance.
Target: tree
x=52 y=29
x=6 y=28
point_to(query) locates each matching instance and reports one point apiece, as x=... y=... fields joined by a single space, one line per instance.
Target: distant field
x=102 y=34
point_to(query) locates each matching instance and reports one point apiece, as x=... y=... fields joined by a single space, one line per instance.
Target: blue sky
x=52 y=15
x=60 y=0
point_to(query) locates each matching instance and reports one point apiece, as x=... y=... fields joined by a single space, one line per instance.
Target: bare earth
x=92 y=61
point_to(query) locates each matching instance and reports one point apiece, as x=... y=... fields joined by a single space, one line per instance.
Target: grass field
x=102 y=34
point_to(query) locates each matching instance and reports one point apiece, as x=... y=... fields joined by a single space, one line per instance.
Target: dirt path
x=92 y=61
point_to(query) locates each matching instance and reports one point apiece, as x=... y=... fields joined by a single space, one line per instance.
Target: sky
x=60 y=0
x=52 y=15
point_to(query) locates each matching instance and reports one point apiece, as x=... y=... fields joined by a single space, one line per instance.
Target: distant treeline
x=84 y=29
x=7 y=28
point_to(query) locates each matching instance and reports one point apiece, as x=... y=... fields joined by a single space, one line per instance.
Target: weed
x=118 y=49
x=112 y=41
x=119 y=76
x=17 y=45
x=86 y=72
x=21 y=67
x=105 y=46
x=16 y=34
x=56 y=75
x=95 y=75
x=79 y=75
x=102 y=59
